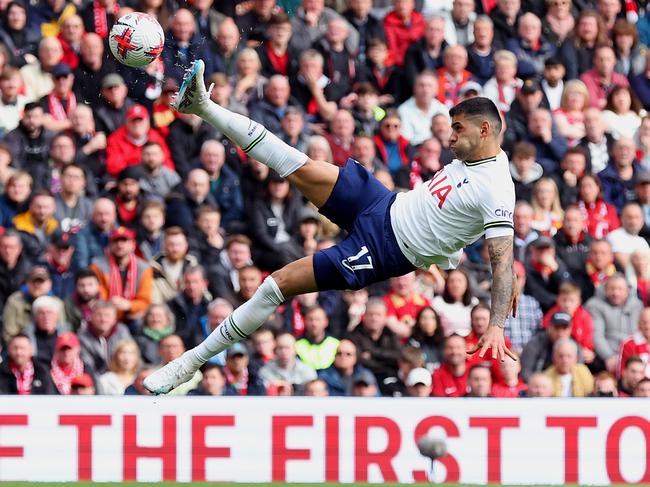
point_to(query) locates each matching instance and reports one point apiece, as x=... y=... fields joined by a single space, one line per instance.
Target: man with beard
x=93 y=67
x=127 y=195
x=93 y=238
x=37 y=224
x=30 y=141
x=78 y=306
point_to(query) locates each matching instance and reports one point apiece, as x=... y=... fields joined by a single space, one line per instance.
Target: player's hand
x=493 y=338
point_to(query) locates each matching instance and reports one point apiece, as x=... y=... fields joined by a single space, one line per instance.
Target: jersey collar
x=480 y=161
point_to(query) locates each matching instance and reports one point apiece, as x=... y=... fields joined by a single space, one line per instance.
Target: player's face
x=465 y=137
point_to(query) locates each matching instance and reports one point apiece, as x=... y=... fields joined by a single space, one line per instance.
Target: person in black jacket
x=190 y=305
x=529 y=98
x=30 y=141
x=21 y=41
x=14 y=265
x=21 y=374
x=368 y=26
x=544 y=272
x=426 y=53
x=186 y=136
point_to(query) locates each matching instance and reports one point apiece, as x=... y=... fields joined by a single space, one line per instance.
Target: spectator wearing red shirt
x=450 y=380
x=480 y=320
x=633 y=373
x=479 y=381
x=403 y=303
x=510 y=384
x=124 y=146
x=601 y=217
x=403 y=26
x=582 y=326
x=637 y=345
x=341 y=136
x=453 y=75
x=601 y=79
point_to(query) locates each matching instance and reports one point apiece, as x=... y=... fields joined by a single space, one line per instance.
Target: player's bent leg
x=315 y=180
x=295 y=278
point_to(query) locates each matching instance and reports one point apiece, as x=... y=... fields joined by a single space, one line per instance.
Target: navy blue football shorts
x=360 y=204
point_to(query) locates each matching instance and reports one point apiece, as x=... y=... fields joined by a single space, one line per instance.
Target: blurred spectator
x=423 y=167
x=641 y=84
x=207 y=242
x=529 y=98
x=16 y=36
x=227 y=48
x=339 y=60
x=37 y=75
x=529 y=46
x=127 y=195
x=381 y=71
x=418 y=383
x=101 y=336
x=157 y=180
x=93 y=67
x=569 y=117
x=170 y=265
x=316 y=388
x=525 y=171
x=596 y=143
x=553 y=81
x=626 y=239
x=504 y=85
x=479 y=382
x=46 y=326
x=638 y=344
x=549 y=144
x=539 y=385
x=17 y=313
x=58 y=260
x=573 y=244
x=369 y=27
x=558 y=23
x=582 y=328
x=293 y=129
x=158 y=323
x=111 y=111
x=137 y=388
x=479 y=323
x=544 y=272
x=394 y=150
x=276 y=55
x=569 y=378
x=453 y=75
x=482 y=50
x=191 y=303
x=183 y=206
x=642 y=388
x=341 y=376
x=524 y=233
x=615 y=314
x=312 y=89
x=316 y=348
x=213 y=382
x=66 y=364
x=426 y=52
x=150 y=229
x=601 y=79
x=30 y=141
x=207 y=17
x=573 y=166
x=365 y=385
x=14 y=265
x=224 y=278
x=450 y=380
x=90 y=144
x=510 y=384
x=125 y=280
x=537 y=355
x=78 y=305
x=95 y=236
x=73 y=209
x=286 y=371
x=263 y=340
x=377 y=345
x=21 y=373
x=601 y=217
x=621 y=113
x=632 y=374
x=637 y=273
x=505 y=16
x=609 y=11
x=170 y=348
x=459 y=26
x=270 y=109
x=403 y=26
x=310 y=23
x=123 y=369
x=455 y=304
x=99 y=16
x=521 y=327
x=124 y=146
x=416 y=112
x=61 y=101
x=547 y=207
x=403 y=304
x=340 y=136
x=12 y=101
x=187 y=135
x=604 y=385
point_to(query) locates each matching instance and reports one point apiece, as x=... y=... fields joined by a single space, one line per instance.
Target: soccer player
x=389 y=234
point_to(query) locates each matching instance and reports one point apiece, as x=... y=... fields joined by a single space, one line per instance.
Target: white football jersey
x=436 y=220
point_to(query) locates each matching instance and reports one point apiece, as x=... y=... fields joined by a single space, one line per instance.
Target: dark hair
x=575 y=150
x=206 y=367
x=478 y=366
x=601 y=37
x=238 y=238
x=596 y=180
x=19 y=335
x=279 y=18
x=41 y=192
x=479 y=307
x=412 y=356
x=633 y=359
x=175 y=230
x=482 y=107
x=621 y=28
x=312 y=308
x=150 y=143
x=418 y=335
x=635 y=104
x=83 y=274
x=524 y=150
x=32 y=106
x=67 y=167
x=467 y=296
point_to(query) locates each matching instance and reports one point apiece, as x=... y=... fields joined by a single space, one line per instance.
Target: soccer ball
x=136 y=39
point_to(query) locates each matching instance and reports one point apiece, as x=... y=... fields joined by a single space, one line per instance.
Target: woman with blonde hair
x=248 y=83
x=547 y=209
x=570 y=118
x=319 y=149
x=125 y=364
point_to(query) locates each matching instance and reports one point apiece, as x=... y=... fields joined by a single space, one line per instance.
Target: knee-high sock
x=240 y=323
x=254 y=139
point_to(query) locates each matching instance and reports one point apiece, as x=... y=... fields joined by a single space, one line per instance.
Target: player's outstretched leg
x=295 y=278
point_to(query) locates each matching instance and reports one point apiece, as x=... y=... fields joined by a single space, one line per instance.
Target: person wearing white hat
x=418 y=383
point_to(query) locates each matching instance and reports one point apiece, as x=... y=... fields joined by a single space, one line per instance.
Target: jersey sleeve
x=497 y=206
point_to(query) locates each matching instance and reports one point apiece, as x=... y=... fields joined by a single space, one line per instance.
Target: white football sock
x=240 y=323
x=254 y=139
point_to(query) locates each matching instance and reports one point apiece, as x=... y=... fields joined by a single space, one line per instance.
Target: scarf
x=56 y=109
x=598 y=277
x=100 y=18
x=25 y=378
x=157 y=335
x=596 y=217
x=298 y=320
x=62 y=377
x=126 y=290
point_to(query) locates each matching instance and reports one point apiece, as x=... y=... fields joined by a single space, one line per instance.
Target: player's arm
x=504 y=297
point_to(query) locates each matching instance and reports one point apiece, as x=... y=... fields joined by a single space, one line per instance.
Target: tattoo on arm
x=501 y=260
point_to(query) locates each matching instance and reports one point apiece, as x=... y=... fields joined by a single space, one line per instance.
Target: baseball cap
x=471 y=86
x=543 y=242
x=122 y=233
x=365 y=377
x=642 y=178
x=418 y=375
x=111 y=80
x=307 y=214
x=530 y=86
x=137 y=112
x=130 y=172
x=560 y=318
x=62 y=239
x=237 y=349
x=38 y=273
x=60 y=70
x=67 y=339
x=83 y=380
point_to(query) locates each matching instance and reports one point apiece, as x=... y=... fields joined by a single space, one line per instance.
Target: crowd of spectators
x=129 y=231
